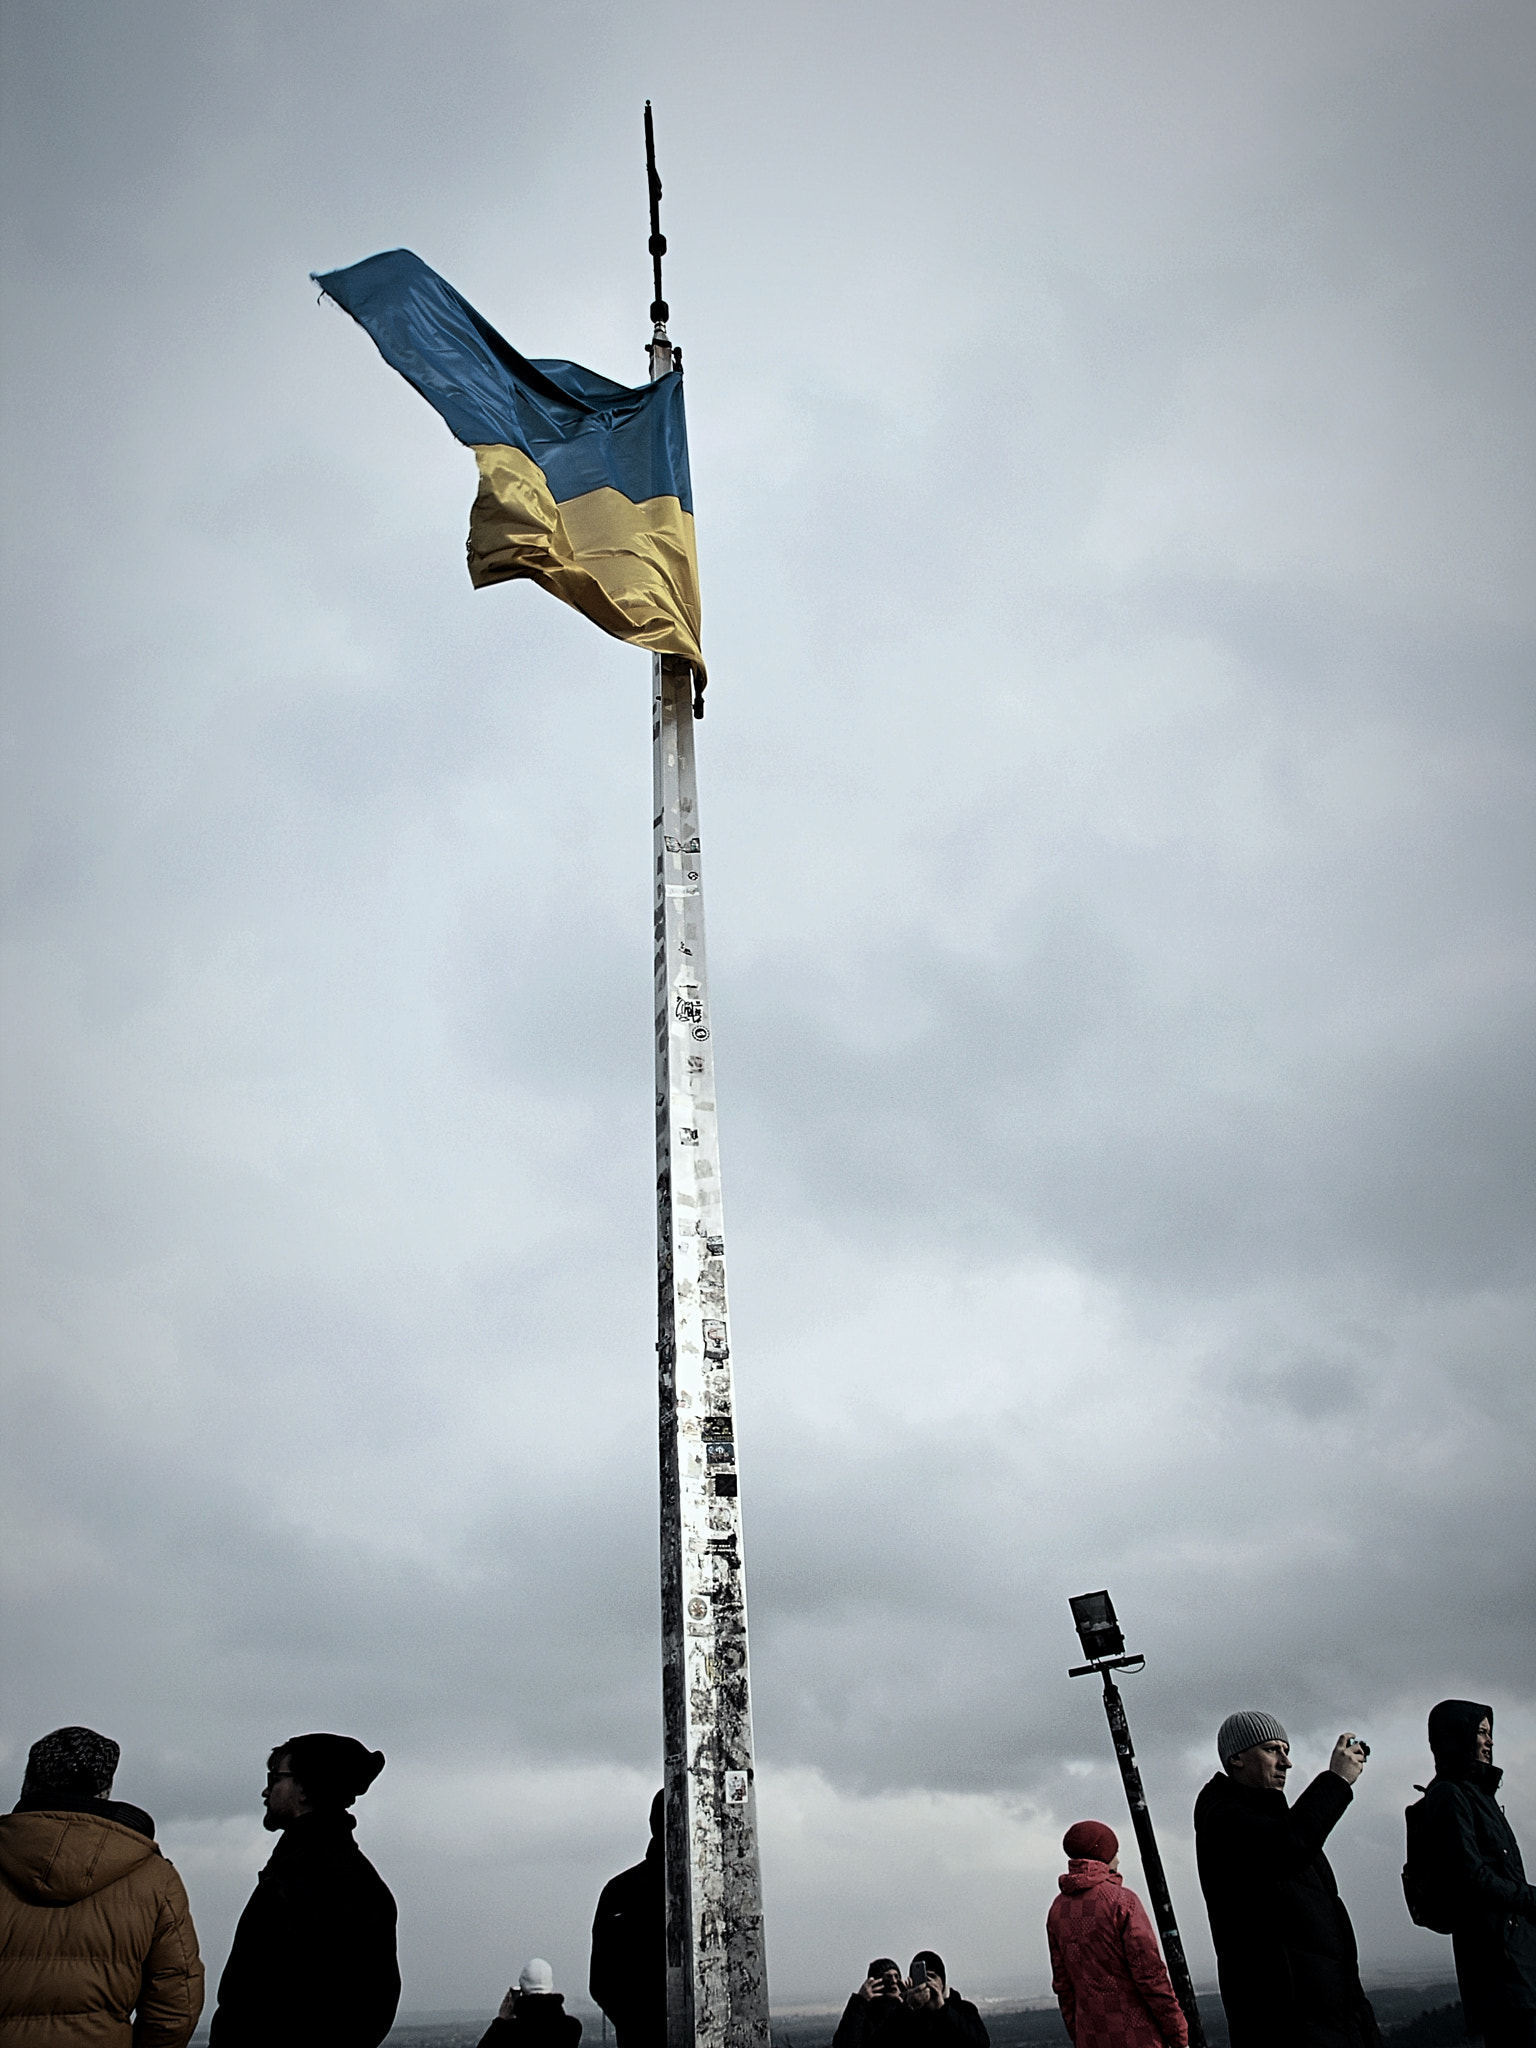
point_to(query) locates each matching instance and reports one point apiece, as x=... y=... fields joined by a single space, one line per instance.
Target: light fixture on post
x=1103 y=1641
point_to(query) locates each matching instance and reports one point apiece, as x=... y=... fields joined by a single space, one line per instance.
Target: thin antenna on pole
x=664 y=357
x=662 y=353
x=658 y=243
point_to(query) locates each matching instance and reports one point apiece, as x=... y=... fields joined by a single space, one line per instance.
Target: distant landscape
x=1413 y=2015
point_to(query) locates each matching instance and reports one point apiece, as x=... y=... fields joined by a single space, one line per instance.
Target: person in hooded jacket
x=628 y=1978
x=1107 y=1971
x=1285 y=1952
x=95 y=1928
x=313 y=1962
x=533 y=2014
x=877 y=2012
x=1471 y=1847
x=940 y=2017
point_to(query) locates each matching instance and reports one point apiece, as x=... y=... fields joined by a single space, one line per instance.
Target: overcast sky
x=1112 y=442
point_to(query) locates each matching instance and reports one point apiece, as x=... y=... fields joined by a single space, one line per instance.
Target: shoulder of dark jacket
x=641 y=1873
x=1223 y=1799
x=967 y=2014
x=1214 y=1795
x=1443 y=1791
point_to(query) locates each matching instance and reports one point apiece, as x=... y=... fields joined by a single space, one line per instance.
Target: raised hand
x=1348 y=1759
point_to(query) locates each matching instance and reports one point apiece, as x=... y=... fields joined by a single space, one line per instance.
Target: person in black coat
x=313 y=1961
x=1472 y=1850
x=877 y=2012
x=941 y=2018
x=628 y=1979
x=533 y=2013
x=1285 y=1951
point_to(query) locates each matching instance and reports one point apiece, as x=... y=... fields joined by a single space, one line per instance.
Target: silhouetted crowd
x=1286 y=1960
x=98 y=1946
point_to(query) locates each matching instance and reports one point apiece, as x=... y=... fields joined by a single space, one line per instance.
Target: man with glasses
x=313 y=1963
x=1285 y=1951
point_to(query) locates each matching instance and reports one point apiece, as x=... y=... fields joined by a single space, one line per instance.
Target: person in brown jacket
x=95 y=1930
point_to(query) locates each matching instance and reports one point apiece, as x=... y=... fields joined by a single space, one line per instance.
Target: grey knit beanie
x=1241 y=1731
x=74 y=1760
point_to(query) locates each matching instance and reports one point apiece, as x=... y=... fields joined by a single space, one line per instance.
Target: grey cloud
x=1052 y=1101
x=1110 y=443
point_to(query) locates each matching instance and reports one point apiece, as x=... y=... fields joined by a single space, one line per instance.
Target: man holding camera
x=1285 y=1951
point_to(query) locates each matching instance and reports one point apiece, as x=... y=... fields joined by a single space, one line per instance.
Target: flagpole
x=717 y=1982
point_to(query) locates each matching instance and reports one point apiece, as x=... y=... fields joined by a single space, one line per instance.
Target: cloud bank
x=1112 y=439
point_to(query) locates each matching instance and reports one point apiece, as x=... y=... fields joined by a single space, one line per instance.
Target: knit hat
x=1093 y=1839
x=74 y=1760
x=333 y=1769
x=536 y=1979
x=1244 y=1731
x=933 y=1963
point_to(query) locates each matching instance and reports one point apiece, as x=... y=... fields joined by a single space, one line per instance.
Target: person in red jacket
x=1106 y=1969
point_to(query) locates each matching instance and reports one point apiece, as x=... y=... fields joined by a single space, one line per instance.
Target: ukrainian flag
x=583 y=484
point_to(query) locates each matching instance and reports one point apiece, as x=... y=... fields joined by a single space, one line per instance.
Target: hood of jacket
x=1084 y=1872
x=1452 y=1734
x=53 y=1857
x=76 y=1802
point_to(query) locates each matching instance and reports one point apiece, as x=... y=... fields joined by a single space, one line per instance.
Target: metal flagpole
x=717 y=1983
x=1104 y=1646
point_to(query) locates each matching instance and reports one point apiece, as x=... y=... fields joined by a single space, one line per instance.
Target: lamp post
x=1098 y=1631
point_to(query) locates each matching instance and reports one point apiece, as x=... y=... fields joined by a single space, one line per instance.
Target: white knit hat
x=1242 y=1731
x=537 y=1978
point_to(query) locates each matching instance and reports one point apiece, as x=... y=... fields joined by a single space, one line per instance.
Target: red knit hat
x=1091 y=1839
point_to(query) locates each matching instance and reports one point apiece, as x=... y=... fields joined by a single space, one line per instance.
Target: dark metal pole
x=1151 y=1861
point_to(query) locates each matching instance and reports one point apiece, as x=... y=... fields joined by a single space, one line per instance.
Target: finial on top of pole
x=663 y=355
